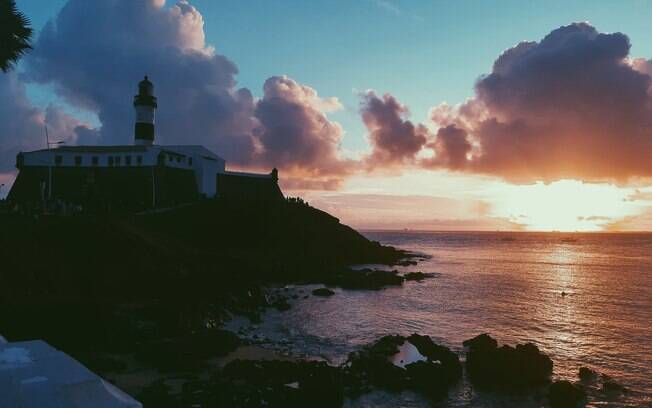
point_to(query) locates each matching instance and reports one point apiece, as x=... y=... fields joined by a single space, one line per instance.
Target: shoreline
x=171 y=347
x=262 y=353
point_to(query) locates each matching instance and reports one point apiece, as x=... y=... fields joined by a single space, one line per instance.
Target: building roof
x=96 y=149
x=245 y=174
x=184 y=150
x=34 y=374
x=192 y=150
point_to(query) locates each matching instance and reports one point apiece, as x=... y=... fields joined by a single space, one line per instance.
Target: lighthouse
x=145 y=105
x=140 y=176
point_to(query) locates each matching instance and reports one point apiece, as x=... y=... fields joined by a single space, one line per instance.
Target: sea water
x=583 y=299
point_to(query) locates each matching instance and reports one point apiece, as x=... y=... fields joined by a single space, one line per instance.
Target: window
x=189 y=161
x=111 y=161
x=127 y=160
x=178 y=159
x=117 y=160
x=78 y=161
x=95 y=160
x=58 y=160
x=139 y=160
x=170 y=157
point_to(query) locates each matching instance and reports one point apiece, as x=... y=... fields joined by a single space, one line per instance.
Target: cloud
x=572 y=105
x=394 y=139
x=22 y=125
x=387 y=6
x=638 y=222
x=94 y=53
x=452 y=148
x=639 y=195
x=294 y=129
x=383 y=211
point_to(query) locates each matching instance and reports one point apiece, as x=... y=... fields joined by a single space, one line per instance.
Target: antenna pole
x=47 y=140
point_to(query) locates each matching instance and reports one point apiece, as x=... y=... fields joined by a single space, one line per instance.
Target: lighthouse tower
x=145 y=104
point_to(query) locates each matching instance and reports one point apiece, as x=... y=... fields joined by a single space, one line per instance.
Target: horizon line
x=410 y=230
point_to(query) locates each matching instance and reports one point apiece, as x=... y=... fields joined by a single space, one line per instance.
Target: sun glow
x=565 y=205
x=441 y=201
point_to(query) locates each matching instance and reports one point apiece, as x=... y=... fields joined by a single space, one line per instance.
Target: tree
x=15 y=34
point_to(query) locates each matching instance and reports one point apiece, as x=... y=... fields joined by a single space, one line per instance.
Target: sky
x=389 y=114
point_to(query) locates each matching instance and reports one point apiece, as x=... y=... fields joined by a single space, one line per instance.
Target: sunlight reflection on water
x=511 y=289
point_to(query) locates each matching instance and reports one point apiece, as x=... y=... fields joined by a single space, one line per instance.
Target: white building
x=205 y=165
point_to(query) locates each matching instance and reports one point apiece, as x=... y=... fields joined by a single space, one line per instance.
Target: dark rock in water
x=417 y=276
x=371 y=366
x=365 y=279
x=281 y=305
x=586 y=374
x=612 y=387
x=431 y=376
x=563 y=394
x=323 y=292
x=426 y=377
x=406 y=262
x=450 y=362
x=481 y=342
x=506 y=366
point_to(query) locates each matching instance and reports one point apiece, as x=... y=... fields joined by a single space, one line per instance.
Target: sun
x=565 y=205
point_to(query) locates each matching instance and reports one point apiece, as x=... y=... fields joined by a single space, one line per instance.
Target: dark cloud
x=570 y=106
x=394 y=139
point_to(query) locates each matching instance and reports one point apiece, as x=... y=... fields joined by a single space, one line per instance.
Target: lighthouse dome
x=145 y=95
x=145 y=87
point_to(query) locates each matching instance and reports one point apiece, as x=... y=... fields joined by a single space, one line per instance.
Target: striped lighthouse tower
x=145 y=104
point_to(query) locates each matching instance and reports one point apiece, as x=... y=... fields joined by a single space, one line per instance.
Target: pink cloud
x=569 y=106
x=394 y=139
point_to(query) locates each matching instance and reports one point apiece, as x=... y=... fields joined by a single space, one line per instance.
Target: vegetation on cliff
x=112 y=280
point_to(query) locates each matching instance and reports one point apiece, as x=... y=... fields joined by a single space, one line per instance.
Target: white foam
x=407 y=354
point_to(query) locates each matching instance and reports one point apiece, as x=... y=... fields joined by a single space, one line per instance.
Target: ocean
x=583 y=299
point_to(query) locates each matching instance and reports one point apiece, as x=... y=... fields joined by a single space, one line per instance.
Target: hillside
x=174 y=269
x=119 y=255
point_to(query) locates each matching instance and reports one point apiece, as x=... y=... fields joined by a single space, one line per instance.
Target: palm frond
x=15 y=34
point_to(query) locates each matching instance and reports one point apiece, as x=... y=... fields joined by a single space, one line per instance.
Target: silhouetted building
x=139 y=176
